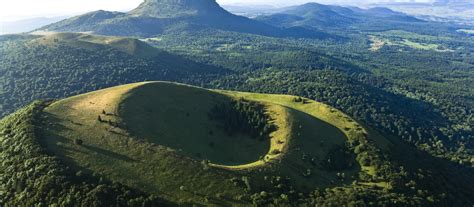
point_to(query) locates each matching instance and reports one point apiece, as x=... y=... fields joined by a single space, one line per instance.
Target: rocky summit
x=178 y=8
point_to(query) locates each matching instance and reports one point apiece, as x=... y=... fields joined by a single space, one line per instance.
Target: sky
x=12 y=10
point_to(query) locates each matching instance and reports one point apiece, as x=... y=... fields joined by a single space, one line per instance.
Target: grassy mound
x=87 y=41
x=158 y=137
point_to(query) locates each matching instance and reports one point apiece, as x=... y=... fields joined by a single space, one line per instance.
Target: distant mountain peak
x=177 y=8
x=154 y=17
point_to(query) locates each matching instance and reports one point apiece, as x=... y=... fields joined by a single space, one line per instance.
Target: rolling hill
x=161 y=143
x=177 y=132
x=150 y=136
x=167 y=144
x=155 y=17
x=58 y=65
x=313 y=15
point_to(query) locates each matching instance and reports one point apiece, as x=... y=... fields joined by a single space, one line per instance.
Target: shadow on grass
x=55 y=137
x=109 y=153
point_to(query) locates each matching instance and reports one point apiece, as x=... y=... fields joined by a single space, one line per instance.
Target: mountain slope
x=58 y=65
x=154 y=17
x=320 y=16
x=181 y=8
x=185 y=156
x=158 y=143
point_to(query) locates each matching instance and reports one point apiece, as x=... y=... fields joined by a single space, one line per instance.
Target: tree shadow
x=47 y=137
x=109 y=153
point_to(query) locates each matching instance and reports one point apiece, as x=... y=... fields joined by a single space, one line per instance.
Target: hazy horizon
x=25 y=9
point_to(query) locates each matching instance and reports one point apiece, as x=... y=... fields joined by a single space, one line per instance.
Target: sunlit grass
x=167 y=135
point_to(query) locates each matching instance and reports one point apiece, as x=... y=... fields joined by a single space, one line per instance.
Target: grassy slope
x=158 y=165
x=177 y=117
x=87 y=41
x=320 y=111
x=116 y=156
x=407 y=39
x=316 y=129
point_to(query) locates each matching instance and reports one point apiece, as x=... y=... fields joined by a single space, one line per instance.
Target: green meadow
x=158 y=137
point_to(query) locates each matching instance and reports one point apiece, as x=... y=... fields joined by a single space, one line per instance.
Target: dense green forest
x=30 y=71
x=402 y=79
x=407 y=79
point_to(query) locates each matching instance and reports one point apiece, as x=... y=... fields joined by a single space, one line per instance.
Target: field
x=155 y=136
x=407 y=39
x=87 y=41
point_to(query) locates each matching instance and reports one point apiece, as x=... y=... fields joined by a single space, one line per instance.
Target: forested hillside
x=37 y=67
x=403 y=89
x=318 y=16
x=155 y=17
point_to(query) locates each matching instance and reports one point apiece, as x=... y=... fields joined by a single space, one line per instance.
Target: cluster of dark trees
x=243 y=117
x=340 y=158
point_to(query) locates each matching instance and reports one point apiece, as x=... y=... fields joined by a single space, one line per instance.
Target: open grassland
x=91 y=42
x=411 y=35
x=424 y=46
x=113 y=154
x=407 y=39
x=157 y=137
